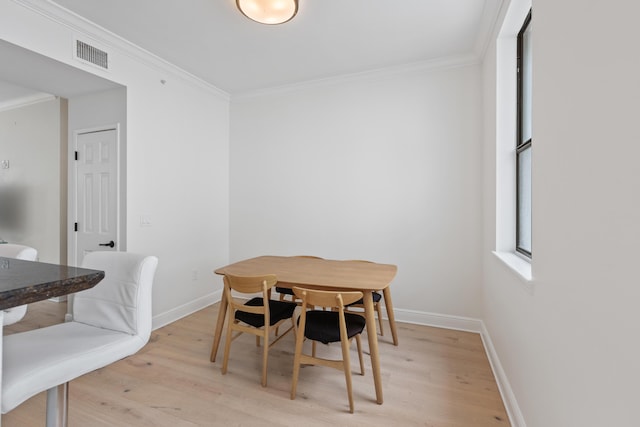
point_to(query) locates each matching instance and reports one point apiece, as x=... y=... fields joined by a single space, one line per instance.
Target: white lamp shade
x=268 y=11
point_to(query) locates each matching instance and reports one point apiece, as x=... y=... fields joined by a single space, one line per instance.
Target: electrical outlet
x=4 y=164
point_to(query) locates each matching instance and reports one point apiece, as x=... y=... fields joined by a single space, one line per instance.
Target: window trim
x=520 y=146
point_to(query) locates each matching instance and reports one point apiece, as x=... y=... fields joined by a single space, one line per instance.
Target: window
x=524 y=140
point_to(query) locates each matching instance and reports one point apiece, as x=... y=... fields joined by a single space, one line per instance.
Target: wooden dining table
x=324 y=274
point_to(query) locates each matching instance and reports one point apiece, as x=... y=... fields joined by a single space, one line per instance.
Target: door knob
x=111 y=244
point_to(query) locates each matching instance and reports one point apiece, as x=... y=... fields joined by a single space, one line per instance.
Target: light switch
x=145 y=220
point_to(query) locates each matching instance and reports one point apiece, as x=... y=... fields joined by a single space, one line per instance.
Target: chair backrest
x=11 y=250
x=334 y=299
x=249 y=285
x=122 y=300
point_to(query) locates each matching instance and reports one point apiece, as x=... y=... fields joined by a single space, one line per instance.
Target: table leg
x=390 y=315
x=373 y=343
x=222 y=314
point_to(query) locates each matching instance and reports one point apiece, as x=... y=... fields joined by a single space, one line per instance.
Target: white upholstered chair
x=10 y=250
x=110 y=322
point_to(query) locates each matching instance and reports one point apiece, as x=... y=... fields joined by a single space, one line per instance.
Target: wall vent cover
x=92 y=54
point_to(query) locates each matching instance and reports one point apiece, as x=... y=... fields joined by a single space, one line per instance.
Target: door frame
x=72 y=240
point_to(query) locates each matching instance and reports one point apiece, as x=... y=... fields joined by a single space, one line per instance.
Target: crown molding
x=490 y=25
x=26 y=101
x=375 y=74
x=83 y=27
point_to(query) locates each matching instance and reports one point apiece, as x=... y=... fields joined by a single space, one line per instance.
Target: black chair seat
x=278 y=310
x=324 y=326
x=285 y=291
x=376 y=298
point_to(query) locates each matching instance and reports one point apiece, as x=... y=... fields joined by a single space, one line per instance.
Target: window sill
x=519 y=265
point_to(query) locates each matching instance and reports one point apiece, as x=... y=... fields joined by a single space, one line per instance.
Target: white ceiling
x=212 y=40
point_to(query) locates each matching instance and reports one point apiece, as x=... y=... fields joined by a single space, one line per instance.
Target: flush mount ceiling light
x=268 y=11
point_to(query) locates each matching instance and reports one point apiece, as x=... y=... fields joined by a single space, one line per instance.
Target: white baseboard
x=177 y=313
x=508 y=397
x=438 y=320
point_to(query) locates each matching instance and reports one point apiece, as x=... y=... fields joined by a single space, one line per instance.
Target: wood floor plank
x=435 y=378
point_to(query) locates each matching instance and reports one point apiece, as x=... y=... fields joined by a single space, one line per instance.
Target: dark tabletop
x=23 y=282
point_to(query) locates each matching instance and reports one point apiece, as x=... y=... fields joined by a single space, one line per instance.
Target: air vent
x=92 y=54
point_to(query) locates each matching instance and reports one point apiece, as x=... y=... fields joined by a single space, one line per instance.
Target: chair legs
x=265 y=356
x=347 y=372
x=297 y=360
x=359 y=344
x=343 y=365
x=227 y=344
x=264 y=334
x=379 y=313
x=58 y=405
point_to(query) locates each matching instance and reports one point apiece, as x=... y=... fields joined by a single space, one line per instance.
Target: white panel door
x=96 y=192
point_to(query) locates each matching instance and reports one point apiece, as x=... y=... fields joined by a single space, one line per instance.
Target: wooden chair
x=327 y=327
x=286 y=294
x=255 y=316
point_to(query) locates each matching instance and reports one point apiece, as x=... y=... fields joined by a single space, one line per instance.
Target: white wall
x=30 y=139
x=569 y=342
x=177 y=154
x=383 y=167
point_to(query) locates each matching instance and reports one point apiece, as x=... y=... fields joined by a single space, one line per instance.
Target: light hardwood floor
x=435 y=378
